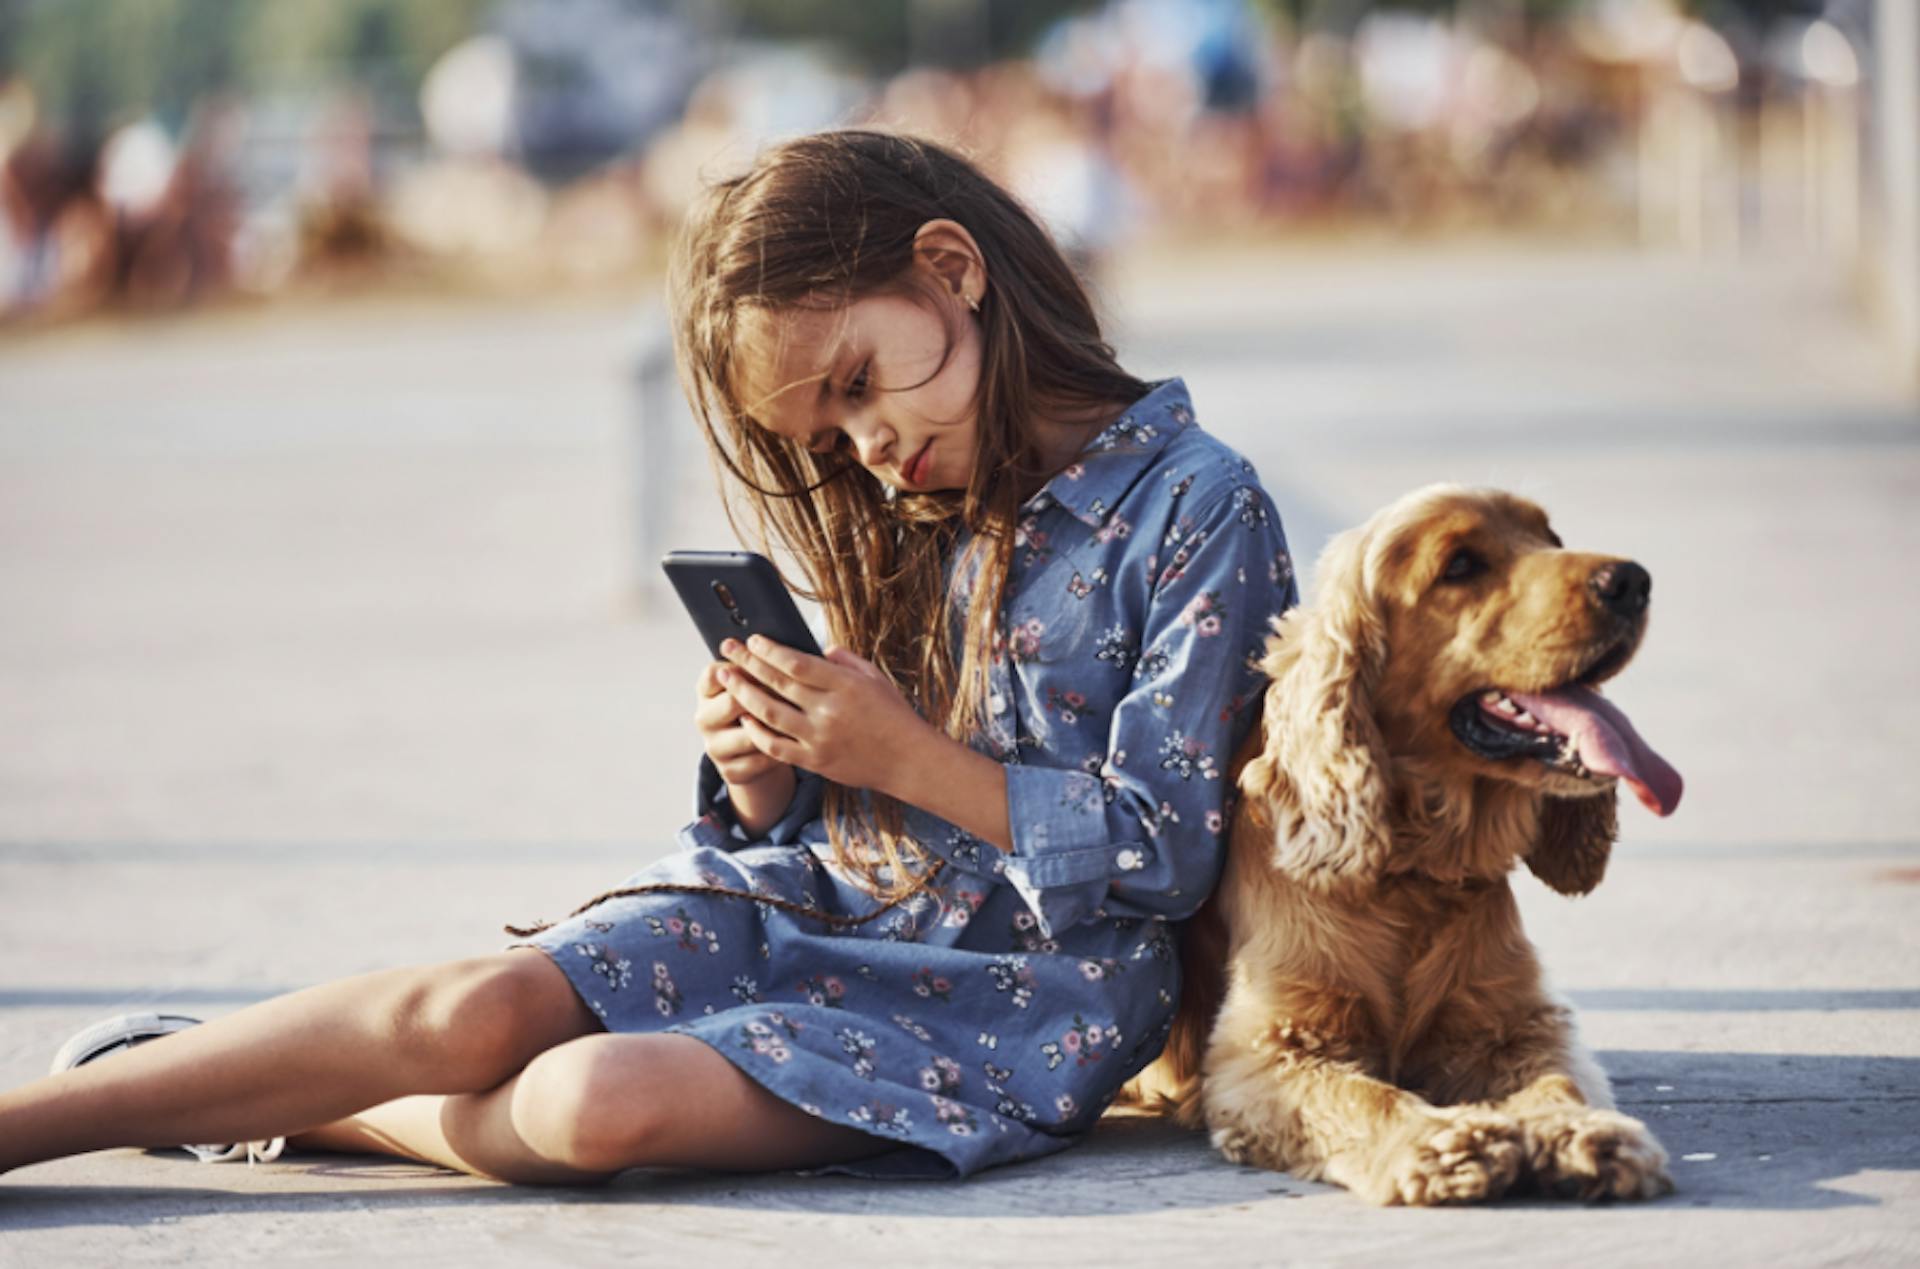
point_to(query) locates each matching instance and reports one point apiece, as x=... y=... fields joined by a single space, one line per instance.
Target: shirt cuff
x=1064 y=852
x=715 y=825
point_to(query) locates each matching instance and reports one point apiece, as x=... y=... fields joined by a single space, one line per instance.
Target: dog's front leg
x=1577 y=1144
x=1286 y=1097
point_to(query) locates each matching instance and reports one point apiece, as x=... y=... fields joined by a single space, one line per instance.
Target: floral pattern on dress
x=1187 y=757
x=932 y=985
x=686 y=931
x=1084 y=1042
x=615 y=969
x=823 y=989
x=940 y=1075
x=770 y=1036
x=882 y=1117
x=859 y=1046
x=666 y=996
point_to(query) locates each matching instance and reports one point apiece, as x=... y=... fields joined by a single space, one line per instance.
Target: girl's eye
x=857 y=386
x=1462 y=565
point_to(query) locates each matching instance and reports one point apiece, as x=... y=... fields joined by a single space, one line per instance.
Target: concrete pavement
x=319 y=653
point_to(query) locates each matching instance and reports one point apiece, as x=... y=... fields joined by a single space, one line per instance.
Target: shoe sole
x=114 y=1035
x=118 y=1034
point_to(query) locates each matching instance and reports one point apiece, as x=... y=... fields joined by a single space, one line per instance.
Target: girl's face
x=868 y=379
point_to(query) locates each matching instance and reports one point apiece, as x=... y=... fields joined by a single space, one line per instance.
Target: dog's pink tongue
x=1607 y=742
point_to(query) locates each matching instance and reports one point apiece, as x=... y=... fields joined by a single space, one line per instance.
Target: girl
x=922 y=923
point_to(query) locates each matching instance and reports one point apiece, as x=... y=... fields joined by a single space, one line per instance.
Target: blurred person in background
x=510 y=143
x=56 y=232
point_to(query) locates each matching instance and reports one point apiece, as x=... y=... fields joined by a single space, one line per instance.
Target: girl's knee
x=593 y=1104
x=474 y=1023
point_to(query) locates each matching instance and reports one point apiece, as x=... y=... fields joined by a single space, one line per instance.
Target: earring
x=973 y=302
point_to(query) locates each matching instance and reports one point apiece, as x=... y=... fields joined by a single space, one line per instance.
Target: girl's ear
x=945 y=248
x=1575 y=840
x=1321 y=780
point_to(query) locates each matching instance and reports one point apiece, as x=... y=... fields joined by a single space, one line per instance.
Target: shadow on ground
x=1764 y=1132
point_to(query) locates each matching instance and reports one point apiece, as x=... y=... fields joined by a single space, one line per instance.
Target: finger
x=846 y=658
x=765 y=706
x=792 y=664
x=716 y=712
x=771 y=742
x=731 y=743
x=742 y=665
x=710 y=684
x=744 y=660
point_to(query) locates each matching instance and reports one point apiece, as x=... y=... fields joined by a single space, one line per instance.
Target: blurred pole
x=1782 y=171
x=1699 y=163
x=1710 y=164
x=653 y=452
x=1654 y=188
x=1831 y=123
x=1896 y=101
x=1694 y=174
x=1690 y=170
x=1838 y=176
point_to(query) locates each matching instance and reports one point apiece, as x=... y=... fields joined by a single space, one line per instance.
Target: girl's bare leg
x=587 y=1109
x=302 y=1059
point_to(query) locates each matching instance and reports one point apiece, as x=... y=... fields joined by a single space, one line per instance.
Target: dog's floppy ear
x=1321 y=780
x=1576 y=837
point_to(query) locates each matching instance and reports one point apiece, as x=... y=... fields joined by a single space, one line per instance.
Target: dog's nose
x=1622 y=587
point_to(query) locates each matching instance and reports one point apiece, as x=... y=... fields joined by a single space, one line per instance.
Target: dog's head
x=1454 y=641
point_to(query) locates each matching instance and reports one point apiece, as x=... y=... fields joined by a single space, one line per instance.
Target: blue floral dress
x=995 y=1015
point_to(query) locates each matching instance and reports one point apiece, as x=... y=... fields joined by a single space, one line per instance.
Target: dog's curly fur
x=1381 y=1020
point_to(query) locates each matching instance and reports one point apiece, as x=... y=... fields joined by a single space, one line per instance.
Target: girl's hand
x=836 y=715
x=717 y=718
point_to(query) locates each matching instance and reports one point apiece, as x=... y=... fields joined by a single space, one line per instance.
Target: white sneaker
x=116 y=1035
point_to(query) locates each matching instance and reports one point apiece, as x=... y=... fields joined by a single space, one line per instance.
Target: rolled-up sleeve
x=714 y=823
x=1145 y=835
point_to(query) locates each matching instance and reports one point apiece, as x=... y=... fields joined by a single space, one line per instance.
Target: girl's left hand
x=837 y=715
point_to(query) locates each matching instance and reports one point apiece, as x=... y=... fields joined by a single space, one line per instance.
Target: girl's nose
x=872 y=440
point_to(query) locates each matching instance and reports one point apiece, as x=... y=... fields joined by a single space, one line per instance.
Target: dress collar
x=1092 y=485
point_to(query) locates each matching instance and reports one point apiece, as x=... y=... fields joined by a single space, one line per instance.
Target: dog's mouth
x=1571 y=729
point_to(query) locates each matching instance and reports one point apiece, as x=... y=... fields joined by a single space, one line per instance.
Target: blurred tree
x=1758 y=12
x=94 y=62
x=1346 y=14
x=885 y=36
x=308 y=41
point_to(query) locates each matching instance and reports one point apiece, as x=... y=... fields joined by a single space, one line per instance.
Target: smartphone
x=733 y=594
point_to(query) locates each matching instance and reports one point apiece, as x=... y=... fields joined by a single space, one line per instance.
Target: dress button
x=1130 y=860
x=998 y=702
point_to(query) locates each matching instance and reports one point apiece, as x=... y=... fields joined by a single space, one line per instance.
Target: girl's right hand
x=717 y=716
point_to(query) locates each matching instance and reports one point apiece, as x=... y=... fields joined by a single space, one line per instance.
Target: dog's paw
x=1458 y=1156
x=1249 y=1149
x=1594 y=1155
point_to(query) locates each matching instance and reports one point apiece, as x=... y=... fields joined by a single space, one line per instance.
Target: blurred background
x=339 y=435
x=163 y=153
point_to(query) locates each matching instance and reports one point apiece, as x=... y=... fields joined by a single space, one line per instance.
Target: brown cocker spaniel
x=1432 y=720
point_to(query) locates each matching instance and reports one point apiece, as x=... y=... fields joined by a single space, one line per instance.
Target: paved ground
x=320 y=651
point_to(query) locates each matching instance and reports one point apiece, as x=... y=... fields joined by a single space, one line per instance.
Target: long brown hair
x=819 y=222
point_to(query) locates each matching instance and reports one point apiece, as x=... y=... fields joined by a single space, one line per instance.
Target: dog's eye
x=1461 y=565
